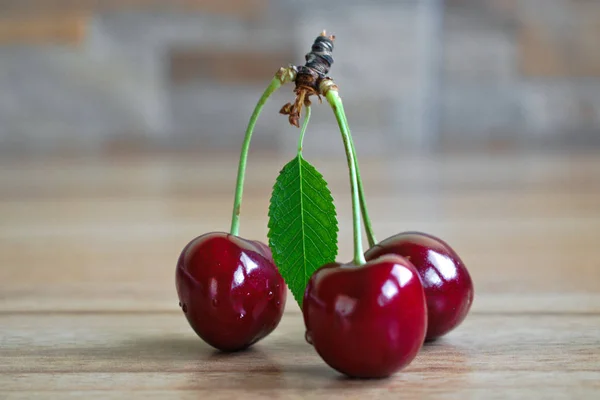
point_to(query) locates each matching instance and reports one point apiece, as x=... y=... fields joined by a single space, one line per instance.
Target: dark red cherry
x=447 y=283
x=366 y=321
x=230 y=290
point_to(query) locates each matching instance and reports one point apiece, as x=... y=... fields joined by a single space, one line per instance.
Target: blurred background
x=121 y=122
x=95 y=76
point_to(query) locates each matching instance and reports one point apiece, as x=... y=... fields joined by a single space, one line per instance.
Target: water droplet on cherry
x=271 y=295
x=215 y=303
x=184 y=308
x=179 y=304
x=308 y=337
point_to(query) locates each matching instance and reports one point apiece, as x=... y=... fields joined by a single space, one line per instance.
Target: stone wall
x=86 y=74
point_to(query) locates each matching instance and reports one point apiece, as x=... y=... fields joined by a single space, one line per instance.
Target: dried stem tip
x=309 y=76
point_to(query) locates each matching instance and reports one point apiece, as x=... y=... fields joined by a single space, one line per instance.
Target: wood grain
x=88 y=307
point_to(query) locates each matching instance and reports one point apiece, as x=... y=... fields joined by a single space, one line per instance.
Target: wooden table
x=88 y=307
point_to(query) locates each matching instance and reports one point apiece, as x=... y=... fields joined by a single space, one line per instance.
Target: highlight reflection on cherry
x=229 y=290
x=366 y=321
x=446 y=281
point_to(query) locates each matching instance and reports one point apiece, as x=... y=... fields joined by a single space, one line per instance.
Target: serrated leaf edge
x=329 y=198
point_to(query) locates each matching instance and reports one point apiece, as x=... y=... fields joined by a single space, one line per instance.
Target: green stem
x=361 y=194
x=284 y=75
x=338 y=109
x=303 y=129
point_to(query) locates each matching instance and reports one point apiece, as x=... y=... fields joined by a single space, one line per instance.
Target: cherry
x=366 y=321
x=230 y=290
x=447 y=283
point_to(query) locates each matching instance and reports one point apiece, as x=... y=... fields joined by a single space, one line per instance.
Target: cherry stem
x=303 y=129
x=282 y=76
x=361 y=193
x=335 y=102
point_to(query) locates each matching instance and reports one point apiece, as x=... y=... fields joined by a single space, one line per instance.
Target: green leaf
x=303 y=226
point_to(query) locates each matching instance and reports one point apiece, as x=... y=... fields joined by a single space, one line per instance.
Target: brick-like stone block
x=217 y=115
x=556 y=108
x=477 y=43
x=472 y=54
x=501 y=7
x=53 y=28
x=559 y=38
x=481 y=110
x=238 y=8
x=221 y=65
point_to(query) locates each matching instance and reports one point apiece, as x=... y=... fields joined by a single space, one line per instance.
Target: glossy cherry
x=446 y=280
x=230 y=290
x=366 y=321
